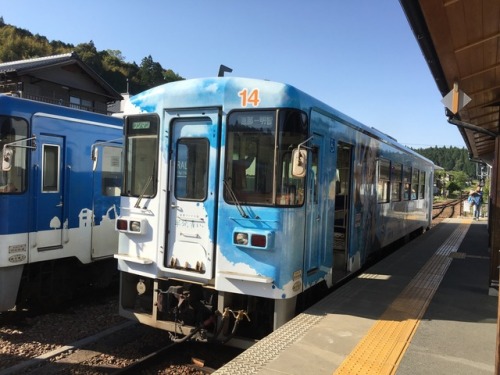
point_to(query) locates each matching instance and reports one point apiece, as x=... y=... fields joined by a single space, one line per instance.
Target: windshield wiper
x=235 y=200
x=143 y=192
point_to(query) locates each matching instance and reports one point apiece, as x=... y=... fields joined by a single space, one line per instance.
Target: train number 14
x=249 y=97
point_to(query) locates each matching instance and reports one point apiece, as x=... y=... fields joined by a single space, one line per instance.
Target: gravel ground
x=29 y=337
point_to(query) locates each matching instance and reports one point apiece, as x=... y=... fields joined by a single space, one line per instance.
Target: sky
x=358 y=56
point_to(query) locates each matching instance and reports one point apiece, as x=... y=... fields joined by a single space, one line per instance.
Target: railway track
x=123 y=348
x=192 y=358
x=448 y=209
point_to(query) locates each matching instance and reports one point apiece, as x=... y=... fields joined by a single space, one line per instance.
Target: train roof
x=206 y=92
x=19 y=106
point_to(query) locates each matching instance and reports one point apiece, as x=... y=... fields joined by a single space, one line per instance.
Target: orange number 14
x=248 y=98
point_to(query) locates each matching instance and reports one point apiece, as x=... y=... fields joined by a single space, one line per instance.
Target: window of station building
x=421 y=191
x=414 y=183
x=384 y=180
x=397 y=172
x=406 y=182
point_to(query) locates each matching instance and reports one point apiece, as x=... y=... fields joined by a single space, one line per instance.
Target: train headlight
x=127 y=224
x=241 y=238
x=135 y=226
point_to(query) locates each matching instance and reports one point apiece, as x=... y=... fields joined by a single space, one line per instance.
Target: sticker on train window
x=249 y=97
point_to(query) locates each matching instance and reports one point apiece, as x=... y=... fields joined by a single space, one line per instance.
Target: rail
x=447 y=208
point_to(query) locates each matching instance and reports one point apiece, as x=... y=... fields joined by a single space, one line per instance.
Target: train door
x=342 y=204
x=315 y=208
x=105 y=201
x=50 y=192
x=192 y=197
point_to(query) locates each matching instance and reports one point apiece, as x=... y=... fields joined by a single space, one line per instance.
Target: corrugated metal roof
x=35 y=63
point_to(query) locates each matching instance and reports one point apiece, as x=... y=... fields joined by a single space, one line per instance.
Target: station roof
x=460 y=40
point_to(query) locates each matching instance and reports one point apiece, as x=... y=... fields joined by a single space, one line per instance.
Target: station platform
x=425 y=309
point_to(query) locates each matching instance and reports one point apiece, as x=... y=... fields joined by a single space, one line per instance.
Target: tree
x=150 y=73
x=451 y=159
x=89 y=55
x=453 y=187
x=170 y=76
x=461 y=179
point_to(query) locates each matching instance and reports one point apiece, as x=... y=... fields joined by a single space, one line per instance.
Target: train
x=242 y=198
x=60 y=184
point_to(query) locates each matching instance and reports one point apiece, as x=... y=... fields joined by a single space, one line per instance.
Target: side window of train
x=407 y=182
x=314 y=175
x=192 y=166
x=293 y=127
x=383 y=184
x=414 y=183
x=290 y=189
x=13 y=178
x=421 y=191
x=397 y=172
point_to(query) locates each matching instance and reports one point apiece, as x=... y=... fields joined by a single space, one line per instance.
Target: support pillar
x=494 y=220
x=494 y=227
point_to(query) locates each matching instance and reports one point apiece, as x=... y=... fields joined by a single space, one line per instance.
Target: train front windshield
x=141 y=149
x=258 y=157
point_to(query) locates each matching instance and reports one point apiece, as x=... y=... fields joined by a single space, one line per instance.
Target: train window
x=383 y=185
x=14 y=129
x=414 y=183
x=258 y=167
x=407 y=182
x=111 y=176
x=421 y=190
x=192 y=166
x=141 y=147
x=290 y=189
x=397 y=171
x=292 y=131
x=314 y=176
x=50 y=169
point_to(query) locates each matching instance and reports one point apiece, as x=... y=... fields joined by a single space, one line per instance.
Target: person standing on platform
x=476 y=199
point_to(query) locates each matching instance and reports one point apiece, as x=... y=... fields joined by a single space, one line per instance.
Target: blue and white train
x=241 y=195
x=60 y=183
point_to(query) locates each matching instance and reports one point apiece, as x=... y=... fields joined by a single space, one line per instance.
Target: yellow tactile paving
x=381 y=350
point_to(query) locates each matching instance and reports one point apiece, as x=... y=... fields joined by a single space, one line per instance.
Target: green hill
x=20 y=44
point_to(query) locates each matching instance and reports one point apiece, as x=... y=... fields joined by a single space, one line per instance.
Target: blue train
x=60 y=183
x=241 y=196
